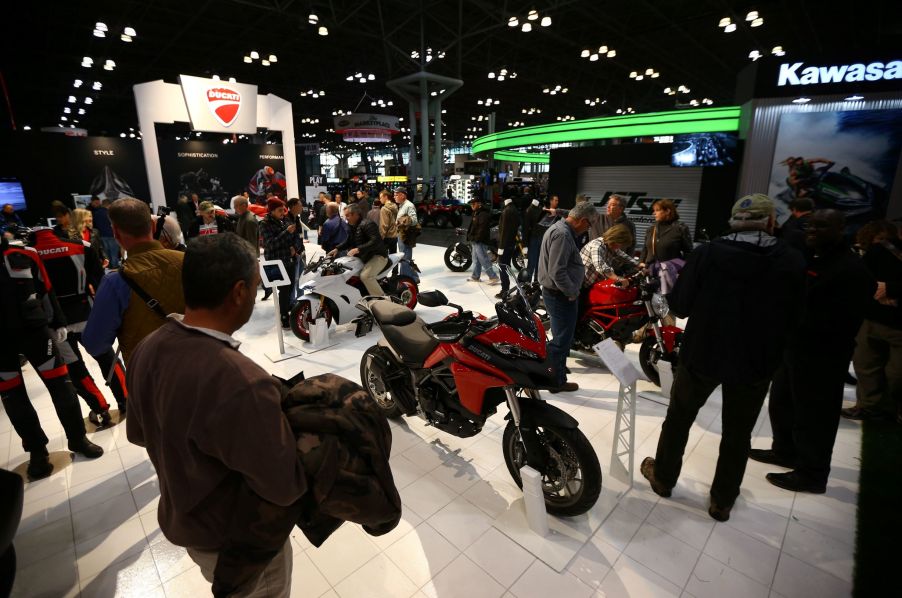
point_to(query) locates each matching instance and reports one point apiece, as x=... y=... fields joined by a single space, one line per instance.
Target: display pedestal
x=285 y=351
x=319 y=337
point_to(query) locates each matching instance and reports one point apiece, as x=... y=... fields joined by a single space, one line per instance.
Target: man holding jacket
x=479 y=235
x=746 y=275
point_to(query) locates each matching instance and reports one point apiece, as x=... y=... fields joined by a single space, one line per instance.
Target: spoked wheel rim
x=457 y=259
x=302 y=316
x=562 y=482
x=377 y=390
x=408 y=293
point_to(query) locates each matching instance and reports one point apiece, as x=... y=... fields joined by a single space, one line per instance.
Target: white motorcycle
x=330 y=287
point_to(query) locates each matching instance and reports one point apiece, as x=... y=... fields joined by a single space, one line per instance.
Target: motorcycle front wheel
x=375 y=386
x=571 y=481
x=301 y=316
x=407 y=291
x=649 y=355
x=457 y=260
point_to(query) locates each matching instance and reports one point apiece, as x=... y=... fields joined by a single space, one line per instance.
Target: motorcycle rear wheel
x=649 y=354
x=441 y=221
x=375 y=386
x=570 y=492
x=407 y=291
x=301 y=316
x=457 y=261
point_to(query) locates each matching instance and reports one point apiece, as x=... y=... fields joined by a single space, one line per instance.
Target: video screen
x=11 y=193
x=704 y=149
x=273 y=273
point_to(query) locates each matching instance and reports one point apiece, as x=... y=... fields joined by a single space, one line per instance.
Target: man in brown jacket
x=193 y=398
x=388 y=226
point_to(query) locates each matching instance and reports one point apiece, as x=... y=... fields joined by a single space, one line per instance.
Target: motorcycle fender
x=671 y=335
x=534 y=413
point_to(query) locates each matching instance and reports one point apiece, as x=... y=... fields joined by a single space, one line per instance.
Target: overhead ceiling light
x=87 y=61
x=215 y=77
x=526 y=28
x=89 y=101
x=501 y=77
x=667 y=90
x=323 y=31
x=854 y=98
x=513 y=22
x=707 y=101
x=801 y=100
x=546 y=21
x=778 y=51
x=67 y=110
x=132 y=135
x=77 y=83
x=730 y=28
x=26 y=128
x=655 y=75
x=273 y=58
x=100 y=26
x=126 y=38
x=754 y=54
x=649 y=71
x=248 y=59
x=584 y=54
x=633 y=74
x=264 y=62
x=371 y=77
x=753 y=14
x=72 y=99
x=255 y=55
x=109 y=65
x=612 y=53
x=724 y=22
x=81 y=110
x=593 y=57
x=99 y=33
x=533 y=15
x=758 y=22
x=64 y=119
x=312 y=19
x=129 y=32
x=97 y=86
x=639 y=77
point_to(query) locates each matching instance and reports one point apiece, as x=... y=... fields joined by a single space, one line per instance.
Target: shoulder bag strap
x=149 y=301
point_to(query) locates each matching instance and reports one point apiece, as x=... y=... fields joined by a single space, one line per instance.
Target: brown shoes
x=565 y=387
x=648 y=472
x=719 y=513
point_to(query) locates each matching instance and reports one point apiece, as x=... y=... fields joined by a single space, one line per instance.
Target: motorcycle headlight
x=514 y=350
x=659 y=305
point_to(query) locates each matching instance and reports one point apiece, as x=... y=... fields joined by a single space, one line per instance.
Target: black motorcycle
x=459 y=255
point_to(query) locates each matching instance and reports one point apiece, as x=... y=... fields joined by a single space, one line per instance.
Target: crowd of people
x=773 y=309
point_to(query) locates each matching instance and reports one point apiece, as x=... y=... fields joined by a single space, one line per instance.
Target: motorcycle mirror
x=432 y=298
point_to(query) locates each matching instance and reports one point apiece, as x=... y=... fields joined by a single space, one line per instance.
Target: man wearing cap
x=407 y=221
x=280 y=242
x=478 y=234
x=209 y=223
x=746 y=278
x=561 y=274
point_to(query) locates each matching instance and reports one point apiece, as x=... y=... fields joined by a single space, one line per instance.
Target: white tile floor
x=91 y=530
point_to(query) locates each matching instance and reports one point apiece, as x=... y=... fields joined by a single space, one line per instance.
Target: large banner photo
x=217 y=171
x=841 y=160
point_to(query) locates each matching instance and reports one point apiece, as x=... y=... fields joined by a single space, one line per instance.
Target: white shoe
x=471 y=279
x=494 y=281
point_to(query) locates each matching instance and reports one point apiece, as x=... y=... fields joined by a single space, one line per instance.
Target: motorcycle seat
x=392 y=314
x=413 y=342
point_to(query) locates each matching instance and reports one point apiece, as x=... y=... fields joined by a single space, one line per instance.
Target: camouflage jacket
x=344 y=442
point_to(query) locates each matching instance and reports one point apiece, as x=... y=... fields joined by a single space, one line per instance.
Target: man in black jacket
x=748 y=275
x=479 y=236
x=507 y=240
x=364 y=242
x=532 y=236
x=807 y=391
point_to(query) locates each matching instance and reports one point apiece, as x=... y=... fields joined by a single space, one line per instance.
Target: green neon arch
x=702 y=120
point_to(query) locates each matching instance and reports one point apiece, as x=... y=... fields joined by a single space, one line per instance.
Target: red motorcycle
x=456 y=372
x=629 y=314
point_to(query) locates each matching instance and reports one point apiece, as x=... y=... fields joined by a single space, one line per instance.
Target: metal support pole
x=438 y=158
x=412 y=123
x=424 y=127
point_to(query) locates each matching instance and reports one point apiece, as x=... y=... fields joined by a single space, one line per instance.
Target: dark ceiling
x=681 y=40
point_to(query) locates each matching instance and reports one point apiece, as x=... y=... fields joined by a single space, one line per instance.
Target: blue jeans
x=563 y=313
x=532 y=258
x=406 y=270
x=482 y=261
x=111 y=248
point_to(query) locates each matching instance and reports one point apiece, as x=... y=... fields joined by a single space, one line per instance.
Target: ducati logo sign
x=225 y=104
x=219 y=106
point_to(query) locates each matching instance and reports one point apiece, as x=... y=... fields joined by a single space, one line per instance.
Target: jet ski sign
x=219 y=107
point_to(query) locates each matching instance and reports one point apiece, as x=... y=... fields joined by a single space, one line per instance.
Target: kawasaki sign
x=799 y=74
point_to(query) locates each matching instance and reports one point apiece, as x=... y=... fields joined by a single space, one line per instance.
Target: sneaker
x=770 y=457
x=85 y=447
x=499 y=295
x=565 y=387
x=39 y=466
x=101 y=419
x=494 y=281
x=647 y=468
x=795 y=483
x=719 y=513
x=471 y=279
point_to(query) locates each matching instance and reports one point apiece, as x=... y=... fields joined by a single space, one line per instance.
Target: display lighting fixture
x=67 y=110
x=72 y=99
x=554 y=90
x=101 y=26
x=565 y=118
x=313 y=93
x=707 y=101
x=757 y=22
x=526 y=28
x=89 y=101
x=77 y=83
x=513 y=22
x=854 y=98
x=64 y=119
x=225 y=141
x=683 y=89
x=585 y=54
x=730 y=28
x=755 y=55
x=123 y=135
x=100 y=32
x=382 y=103
x=533 y=15
x=323 y=30
x=515 y=124
x=126 y=38
x=752 y=15
x=724 y=22
x=87 y=61
x=97 y=86
x=310 y=121
x=361 y=78
x=255 y=55
x=340 y=113
x=531 y=111
x=81 y=111
x=273 y=58
x=248 y=59
x=595 y=102
x=312 y=19
x=109 y=65
x=129 y=31
x=233 y=80
x=264 y=62
x=778 y=51
x=545 y=22
x=131 y=135
x=488 y=102
x=801 y=100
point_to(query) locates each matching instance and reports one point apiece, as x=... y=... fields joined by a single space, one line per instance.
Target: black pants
x=37 y=346
x=84 y=383
x=505 y=259
x=285 y=292
x=741 y=405
x=391 y=243
x=804 y=409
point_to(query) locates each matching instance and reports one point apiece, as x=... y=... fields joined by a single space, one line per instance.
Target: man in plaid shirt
x=281 y=241
x=604 y=258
